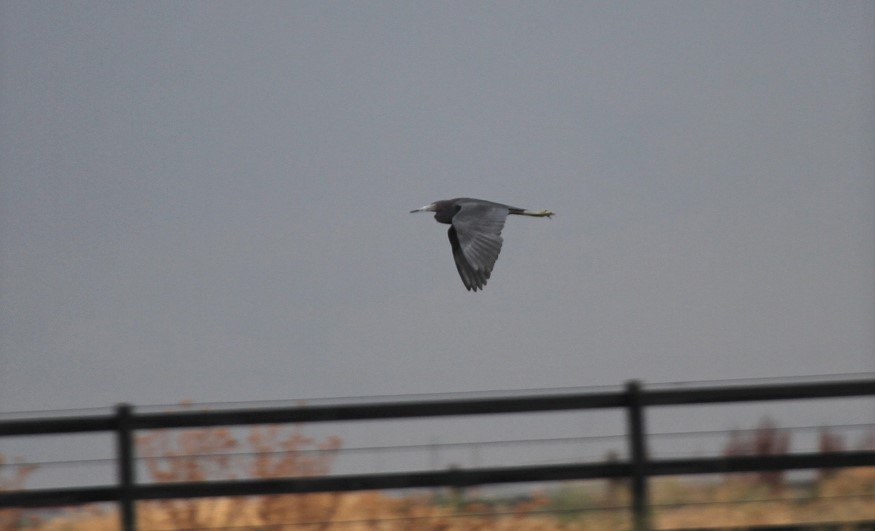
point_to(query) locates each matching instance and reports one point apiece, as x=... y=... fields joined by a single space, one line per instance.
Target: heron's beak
x=426 y=208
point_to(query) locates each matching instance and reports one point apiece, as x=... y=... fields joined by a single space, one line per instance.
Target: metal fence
x=633 y=399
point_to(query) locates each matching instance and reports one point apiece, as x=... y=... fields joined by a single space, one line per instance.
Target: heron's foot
x=536 y=213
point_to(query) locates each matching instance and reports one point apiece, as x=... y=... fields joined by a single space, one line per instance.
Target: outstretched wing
x=475 y=235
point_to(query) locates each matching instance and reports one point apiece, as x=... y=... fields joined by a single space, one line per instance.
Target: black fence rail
x=633 y=399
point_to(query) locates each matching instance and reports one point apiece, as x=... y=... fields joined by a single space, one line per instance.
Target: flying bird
x=475 y=233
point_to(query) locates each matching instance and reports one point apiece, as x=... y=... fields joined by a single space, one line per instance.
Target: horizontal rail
x=485 y=406
x=449 y=478
x=481 y=406
x=58 y=425
x=58 y=497
x=757 y=393
x=760 y=463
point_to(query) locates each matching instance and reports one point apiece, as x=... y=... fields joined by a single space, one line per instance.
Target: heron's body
x=475 y=234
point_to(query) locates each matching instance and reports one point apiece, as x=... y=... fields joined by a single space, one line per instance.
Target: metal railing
x=638 y=468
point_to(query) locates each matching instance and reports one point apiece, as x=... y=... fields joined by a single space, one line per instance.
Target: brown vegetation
x=678 y=503
x=11 y=518
x=216 y=453
x=766 y=439
x=271 y=451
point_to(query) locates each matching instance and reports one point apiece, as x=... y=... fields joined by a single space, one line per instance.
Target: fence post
x=637 y=456
x=125 y=462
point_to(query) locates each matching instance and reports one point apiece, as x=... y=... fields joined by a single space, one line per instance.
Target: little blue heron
x=475 y=233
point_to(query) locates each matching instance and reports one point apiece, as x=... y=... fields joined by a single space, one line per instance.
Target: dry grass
x=845 y=497
x=679 y=503
x=271 y=451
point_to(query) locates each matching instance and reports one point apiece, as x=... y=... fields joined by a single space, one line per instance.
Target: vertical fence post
x=637 y=456
x=125 y=462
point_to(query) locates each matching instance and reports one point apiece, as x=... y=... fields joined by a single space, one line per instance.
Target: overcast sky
x=209 y=201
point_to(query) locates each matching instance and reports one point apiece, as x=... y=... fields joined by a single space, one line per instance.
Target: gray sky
x=209 y=200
